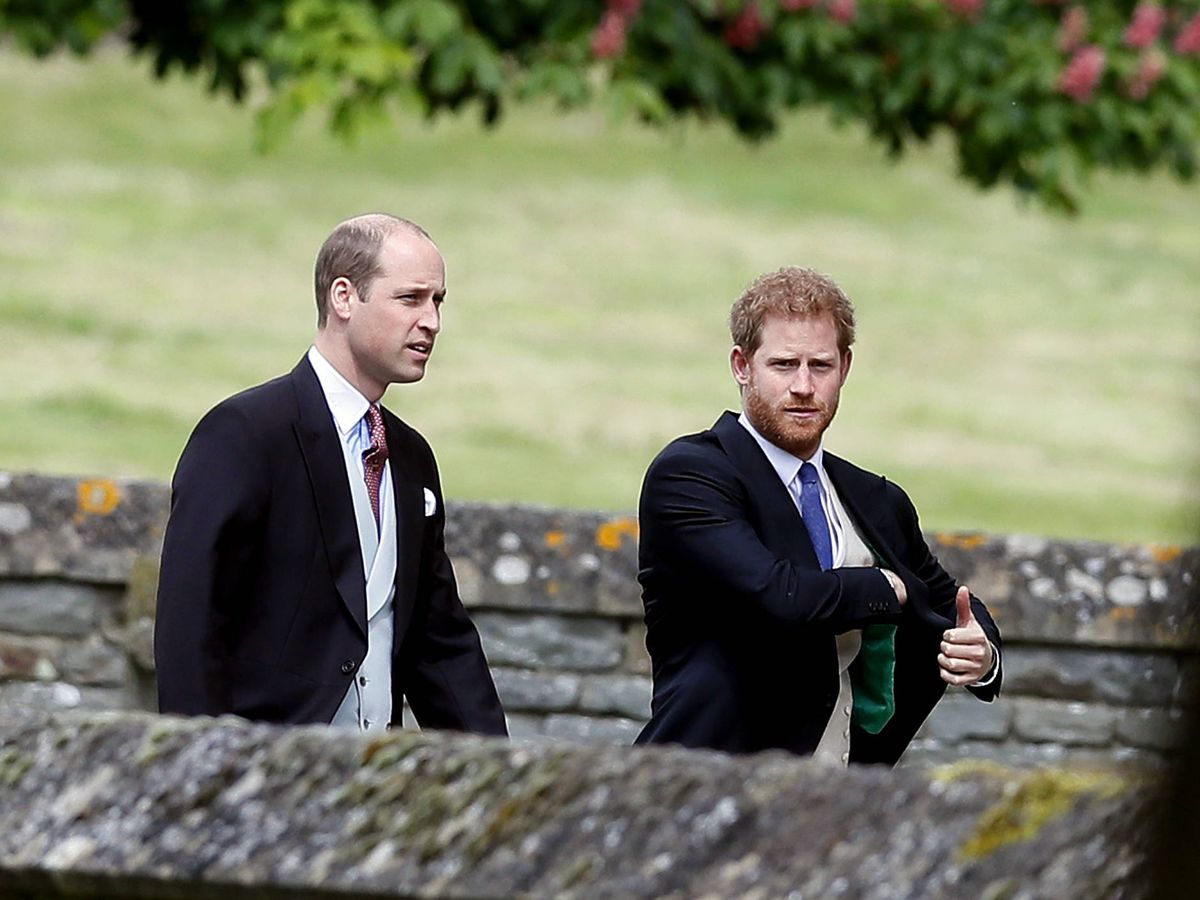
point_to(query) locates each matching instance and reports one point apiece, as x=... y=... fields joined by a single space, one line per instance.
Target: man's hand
x=966 y=652
x=897 y=585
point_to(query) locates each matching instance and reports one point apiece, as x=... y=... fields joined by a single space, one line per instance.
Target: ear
x=847 y=358
x=739 y=363
x=341 y=298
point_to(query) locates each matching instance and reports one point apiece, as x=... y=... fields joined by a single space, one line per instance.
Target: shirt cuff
x=992 y=672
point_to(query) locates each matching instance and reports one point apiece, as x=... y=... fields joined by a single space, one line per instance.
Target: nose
x=802 y=382
x=431 y=318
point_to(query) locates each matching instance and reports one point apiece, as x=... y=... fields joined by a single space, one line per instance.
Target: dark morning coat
x=262 y=599
x=741 y=621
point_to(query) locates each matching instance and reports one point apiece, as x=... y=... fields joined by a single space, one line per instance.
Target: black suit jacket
x=741 y=621
x=262 y=599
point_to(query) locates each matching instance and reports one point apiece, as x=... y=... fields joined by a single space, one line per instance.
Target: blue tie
x=814 y=516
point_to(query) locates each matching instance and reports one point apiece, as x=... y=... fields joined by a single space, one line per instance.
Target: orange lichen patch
x=1165 y=553
x=97 y=497
x=552 y=588
x=555 y=539
x=966 y=541
x=611 y=533
x=1122 y=613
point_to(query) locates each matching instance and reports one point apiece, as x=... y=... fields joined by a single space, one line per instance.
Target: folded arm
x=694 y=525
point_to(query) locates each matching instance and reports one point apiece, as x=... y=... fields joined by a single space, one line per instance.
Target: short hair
x=352 y=252
x=793 y=292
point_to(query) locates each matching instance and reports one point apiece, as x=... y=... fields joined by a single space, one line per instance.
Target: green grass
x=1015 y=371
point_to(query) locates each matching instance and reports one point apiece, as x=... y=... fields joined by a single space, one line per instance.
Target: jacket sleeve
x=943 y=588
x=446 y=677
x=695 y=529
x=218 y=494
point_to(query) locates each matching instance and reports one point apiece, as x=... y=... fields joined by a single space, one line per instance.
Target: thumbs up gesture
x=966 y=654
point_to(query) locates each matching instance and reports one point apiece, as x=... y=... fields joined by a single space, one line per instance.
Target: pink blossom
x=608 y=40
x=967 y=9
x=1151 y=67
x=1146 y=25
x=844 y=11
x=1187 y=42
x=744 y=31
x=1079 y=79
x=626 y=8
x=1072 y=31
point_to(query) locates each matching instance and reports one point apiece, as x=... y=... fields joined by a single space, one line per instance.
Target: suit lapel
x=410 y=514
x=782 y=528
x=326 y=466
x=865 y=499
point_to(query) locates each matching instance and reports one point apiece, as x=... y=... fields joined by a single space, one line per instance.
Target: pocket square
x=430 y=503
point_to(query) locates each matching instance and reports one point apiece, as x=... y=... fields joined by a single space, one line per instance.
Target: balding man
x=304 y=572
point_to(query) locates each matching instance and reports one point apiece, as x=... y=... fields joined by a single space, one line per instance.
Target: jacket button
x=349 y=666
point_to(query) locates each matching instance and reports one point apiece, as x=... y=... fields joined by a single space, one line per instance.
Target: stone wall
x=130 y=805
x=1101 y=641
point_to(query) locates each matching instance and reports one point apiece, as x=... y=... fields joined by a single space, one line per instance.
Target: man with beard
x=791 y=601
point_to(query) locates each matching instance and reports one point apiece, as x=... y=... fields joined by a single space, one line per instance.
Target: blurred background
x=1017 y=370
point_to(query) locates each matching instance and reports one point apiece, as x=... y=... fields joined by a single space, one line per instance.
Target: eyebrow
x=787 y=356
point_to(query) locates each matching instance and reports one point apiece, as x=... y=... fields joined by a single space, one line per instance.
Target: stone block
x=637 y=657
x=1187 y=688
x=622 y=695
x=29 y=658
x=924 y=752
x=141 y=589
x=94 y=661
x=525 y=727
x=1053 y=721
x=591 y=729
x=525 y=691
x=83 y=528
x=516 y=557
x=550 y=642
x=136 y=640
x=49 y=607
x=1132 y=759
x=1153 y=729
x=1103 y=676
x=59 y=696
x=961 y=717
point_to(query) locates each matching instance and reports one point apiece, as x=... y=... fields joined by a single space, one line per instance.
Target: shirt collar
x=346 y=404
x=786 y=465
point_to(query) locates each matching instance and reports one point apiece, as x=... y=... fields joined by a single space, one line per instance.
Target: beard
x=799 y=438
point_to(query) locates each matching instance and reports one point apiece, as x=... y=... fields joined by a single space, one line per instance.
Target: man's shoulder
x=701 y=447
x=700 y=455
x=261 y=404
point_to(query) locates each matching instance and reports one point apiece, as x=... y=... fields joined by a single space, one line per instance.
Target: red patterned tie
x=376 y=458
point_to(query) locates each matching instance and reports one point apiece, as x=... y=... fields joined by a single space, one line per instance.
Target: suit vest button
x=349 y=666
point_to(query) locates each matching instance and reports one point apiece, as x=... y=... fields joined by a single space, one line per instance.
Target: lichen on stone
x=1028 y=805
x=13 y=766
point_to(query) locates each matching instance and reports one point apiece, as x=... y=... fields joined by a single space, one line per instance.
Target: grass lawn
x=1015 y=371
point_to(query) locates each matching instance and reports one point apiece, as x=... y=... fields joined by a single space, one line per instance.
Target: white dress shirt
x=367 y=705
